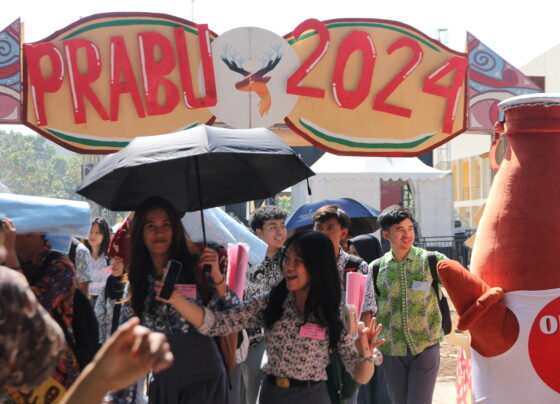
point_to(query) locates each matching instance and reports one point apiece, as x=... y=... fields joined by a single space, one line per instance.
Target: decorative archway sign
x=349 y=86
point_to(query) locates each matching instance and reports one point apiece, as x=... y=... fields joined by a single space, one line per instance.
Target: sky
x=518 y=31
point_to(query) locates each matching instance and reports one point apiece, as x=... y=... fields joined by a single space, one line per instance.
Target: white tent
x=360 y=178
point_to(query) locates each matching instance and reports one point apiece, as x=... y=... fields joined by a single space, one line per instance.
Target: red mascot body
x=510 y=301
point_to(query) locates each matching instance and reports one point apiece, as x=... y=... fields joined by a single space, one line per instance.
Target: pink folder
x=238 y=260
x=355 y=290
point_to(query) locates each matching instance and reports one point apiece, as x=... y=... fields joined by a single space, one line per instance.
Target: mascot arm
x=492 y=325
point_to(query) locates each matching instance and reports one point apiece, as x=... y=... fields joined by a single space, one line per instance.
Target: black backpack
x=441 y=299
x=85 y=342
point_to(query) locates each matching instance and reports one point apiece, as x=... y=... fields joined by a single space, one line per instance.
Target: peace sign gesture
x=367 y=342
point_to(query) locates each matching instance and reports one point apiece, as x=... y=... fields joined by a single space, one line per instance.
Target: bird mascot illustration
x=510 y=299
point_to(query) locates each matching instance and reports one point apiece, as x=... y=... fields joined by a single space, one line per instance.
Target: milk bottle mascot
x=510 y=301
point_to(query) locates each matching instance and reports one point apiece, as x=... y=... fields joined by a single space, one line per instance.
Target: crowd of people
x=303 y=341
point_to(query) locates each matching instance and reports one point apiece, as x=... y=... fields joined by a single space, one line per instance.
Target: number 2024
x=361 y=41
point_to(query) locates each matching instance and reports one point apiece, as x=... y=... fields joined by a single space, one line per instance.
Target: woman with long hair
x=97 y=243
x=158 y=236
x=302 y=325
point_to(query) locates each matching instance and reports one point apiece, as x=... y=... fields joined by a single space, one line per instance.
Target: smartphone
x=170 y=278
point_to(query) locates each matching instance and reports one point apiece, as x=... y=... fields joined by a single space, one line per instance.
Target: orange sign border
x=54 y=35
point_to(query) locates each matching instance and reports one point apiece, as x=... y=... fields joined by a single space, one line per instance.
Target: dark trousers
x=412 y=378
x=197 y=375
x=375 y=392
x=272 y=394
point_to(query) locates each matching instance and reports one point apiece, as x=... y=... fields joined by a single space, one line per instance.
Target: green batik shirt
x=407 y=304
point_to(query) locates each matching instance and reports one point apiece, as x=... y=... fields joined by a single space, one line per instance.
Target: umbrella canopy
x=364 y=217
x=195 y=169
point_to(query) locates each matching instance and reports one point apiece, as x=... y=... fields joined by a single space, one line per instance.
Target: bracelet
x=376 y=358
x=219 y=283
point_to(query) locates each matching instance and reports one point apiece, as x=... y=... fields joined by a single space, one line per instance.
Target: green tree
x=29 y=165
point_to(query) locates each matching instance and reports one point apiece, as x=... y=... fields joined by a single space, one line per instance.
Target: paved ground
x=445 y=391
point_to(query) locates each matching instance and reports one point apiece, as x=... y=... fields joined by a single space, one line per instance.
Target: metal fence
x=452 y=246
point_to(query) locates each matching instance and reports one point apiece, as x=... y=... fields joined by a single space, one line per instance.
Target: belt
x=287 y=382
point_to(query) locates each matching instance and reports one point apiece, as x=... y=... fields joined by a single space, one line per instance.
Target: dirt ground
x=448 y=360
x=445 y=389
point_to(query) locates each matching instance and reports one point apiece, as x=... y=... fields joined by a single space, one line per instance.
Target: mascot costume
x=510 y=299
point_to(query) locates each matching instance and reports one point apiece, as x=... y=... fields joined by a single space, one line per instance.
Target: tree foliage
x=29 y=165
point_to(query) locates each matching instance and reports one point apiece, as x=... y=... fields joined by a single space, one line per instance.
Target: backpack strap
x=432 y=261
x=375 y=265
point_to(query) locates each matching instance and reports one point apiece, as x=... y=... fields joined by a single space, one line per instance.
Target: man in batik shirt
x=409 y=312
x=268 y=223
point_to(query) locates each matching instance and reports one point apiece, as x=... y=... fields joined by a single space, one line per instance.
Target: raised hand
x=367 y=342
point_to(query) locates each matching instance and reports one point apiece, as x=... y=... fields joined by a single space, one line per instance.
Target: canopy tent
x=360 y=178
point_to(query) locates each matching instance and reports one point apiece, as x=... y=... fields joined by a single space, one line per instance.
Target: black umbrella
x=195 y=169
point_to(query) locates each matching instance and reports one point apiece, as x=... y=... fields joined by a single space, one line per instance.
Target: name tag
x=313 y=331
x=186 y=290
x=422 y=286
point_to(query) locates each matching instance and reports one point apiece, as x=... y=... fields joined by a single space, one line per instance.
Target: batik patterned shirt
x=31 y=342
x=260 y=280
x=289 y=353
x=55 y=291
x=369 y=298
x=408 y=307
x=83 y=264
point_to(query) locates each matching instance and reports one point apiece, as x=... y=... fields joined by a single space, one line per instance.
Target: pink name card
x=314 y=331
x=186 y=290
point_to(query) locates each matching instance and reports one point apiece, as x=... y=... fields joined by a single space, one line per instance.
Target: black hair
x=394 y=215
x=325 y=290
x=328 y=212
x=105 y=232
x=368 y=247
x=264 y=213
x=141 y=264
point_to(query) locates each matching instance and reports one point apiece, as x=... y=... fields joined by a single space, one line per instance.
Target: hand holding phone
x=170 y=278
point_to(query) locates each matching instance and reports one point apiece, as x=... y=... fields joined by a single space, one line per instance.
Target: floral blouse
x=289 y=353
x=162 y=317
x=260 y=280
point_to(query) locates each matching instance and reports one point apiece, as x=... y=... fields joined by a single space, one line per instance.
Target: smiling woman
x=302 y=324
x=157 y=237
